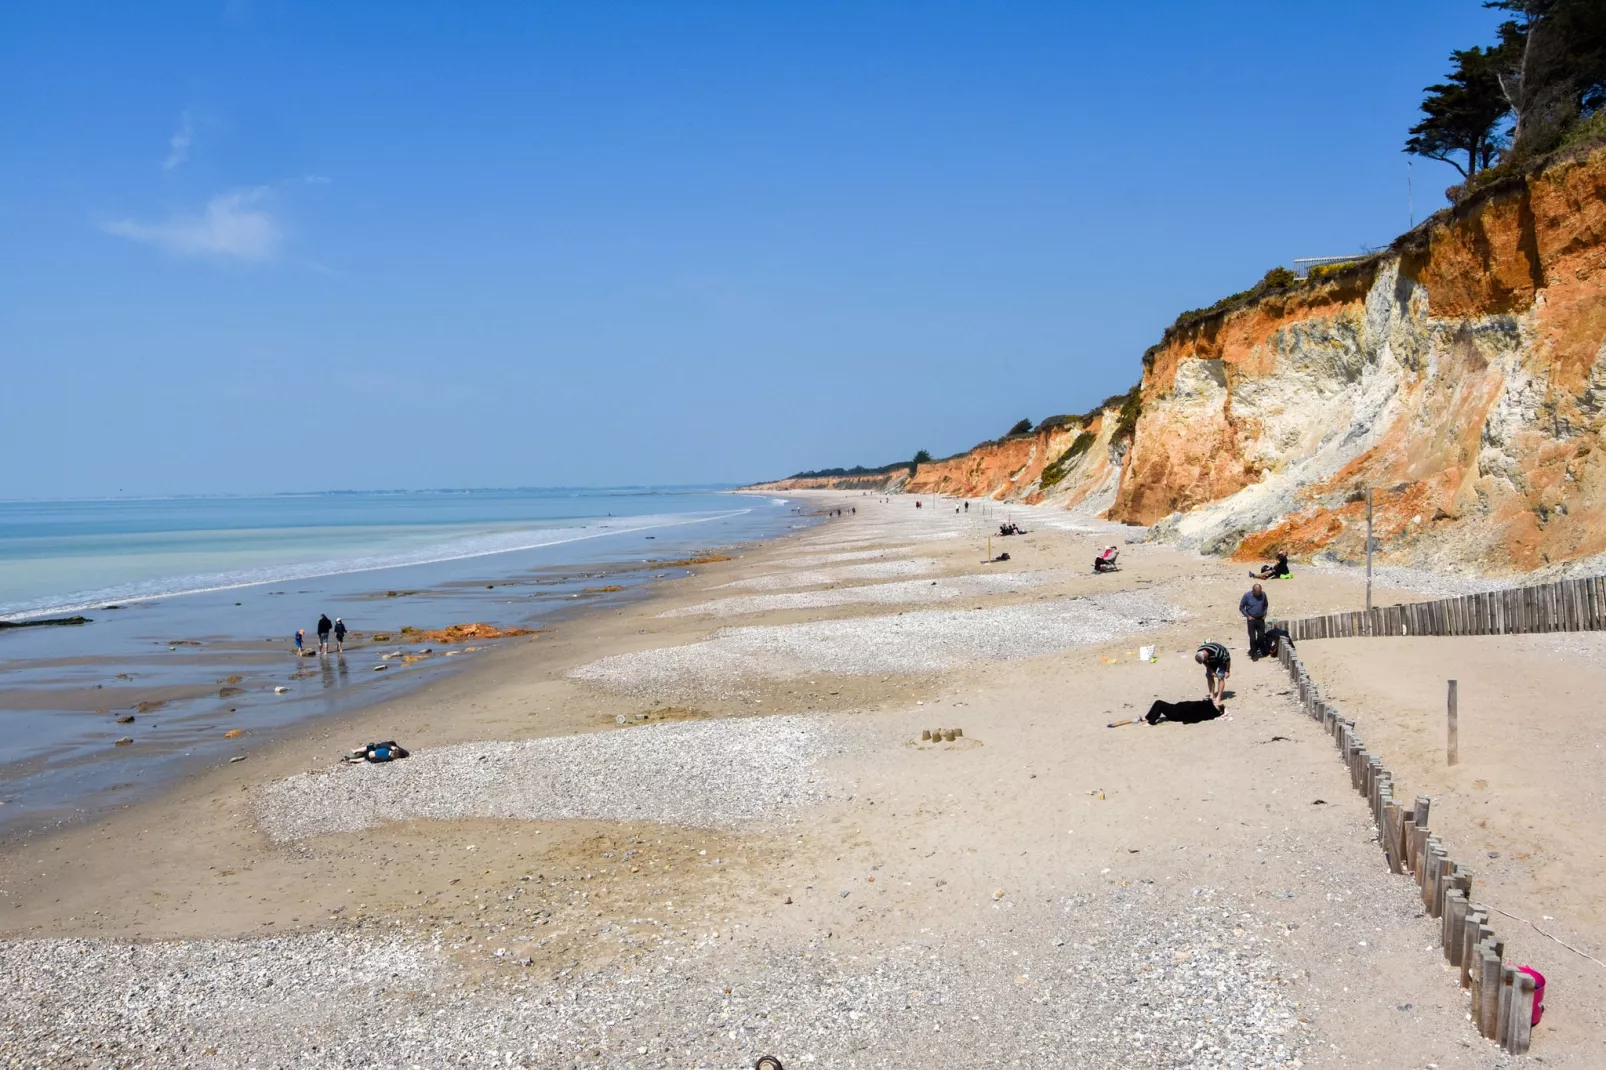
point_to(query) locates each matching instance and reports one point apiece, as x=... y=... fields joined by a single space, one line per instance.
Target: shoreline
x=995 y=876
x=183 y=693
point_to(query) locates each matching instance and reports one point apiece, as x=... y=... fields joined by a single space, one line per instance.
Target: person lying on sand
x=1217 y=662
x=1276 y=571
x=1192 y=711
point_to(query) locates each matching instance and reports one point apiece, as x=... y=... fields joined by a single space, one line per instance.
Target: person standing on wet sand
x=325 y=626
x=340 y=636
x=301 y=639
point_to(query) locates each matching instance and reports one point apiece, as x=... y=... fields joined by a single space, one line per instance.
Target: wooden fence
x=1500 y=996
x=1563 y=606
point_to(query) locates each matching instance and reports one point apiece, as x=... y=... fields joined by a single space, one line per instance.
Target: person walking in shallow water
x=325 y=626
x=340 y=636
x=301 y=639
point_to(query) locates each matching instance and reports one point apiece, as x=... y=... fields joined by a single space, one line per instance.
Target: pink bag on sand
x=1539 y=991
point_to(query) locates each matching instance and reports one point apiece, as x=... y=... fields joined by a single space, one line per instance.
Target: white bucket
x=1145 y=653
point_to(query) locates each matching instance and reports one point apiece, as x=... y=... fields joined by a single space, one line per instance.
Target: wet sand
x=1205 y=895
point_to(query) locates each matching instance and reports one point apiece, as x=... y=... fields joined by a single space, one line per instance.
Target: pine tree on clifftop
x=1551 y=67
x=1463 y=113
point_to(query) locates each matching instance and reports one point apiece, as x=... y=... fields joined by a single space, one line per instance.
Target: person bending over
x=1253 y=605
x=1217 y=662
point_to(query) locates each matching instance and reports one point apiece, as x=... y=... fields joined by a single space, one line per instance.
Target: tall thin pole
x=1452 y=741
x=1368 y=549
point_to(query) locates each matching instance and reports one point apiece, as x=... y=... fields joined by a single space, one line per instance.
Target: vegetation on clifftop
x=1546 y=74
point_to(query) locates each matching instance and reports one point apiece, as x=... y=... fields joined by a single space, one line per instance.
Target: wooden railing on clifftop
x=1562 y=606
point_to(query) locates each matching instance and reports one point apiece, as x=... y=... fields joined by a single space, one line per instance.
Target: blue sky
x=262 y=244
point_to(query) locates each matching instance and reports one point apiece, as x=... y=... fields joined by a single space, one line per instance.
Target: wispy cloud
x=178 y=146
x=233 y=226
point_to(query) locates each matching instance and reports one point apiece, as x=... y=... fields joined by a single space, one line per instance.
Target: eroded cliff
x=1460 y=375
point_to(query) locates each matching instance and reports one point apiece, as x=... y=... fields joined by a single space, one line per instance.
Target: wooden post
x=1473 y=932
x=1489 y=990
x=1502 y=1029
x=1522 y=1014
x=1419 y=850
x=1368 y=549
x=1452 y=740
x=1455 y=923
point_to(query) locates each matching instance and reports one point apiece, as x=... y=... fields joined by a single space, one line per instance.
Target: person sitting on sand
x=1276 y=571
x=1105 y=561
x=1217 y=662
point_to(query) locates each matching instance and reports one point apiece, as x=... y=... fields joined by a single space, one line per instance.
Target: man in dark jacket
x=1253 y=605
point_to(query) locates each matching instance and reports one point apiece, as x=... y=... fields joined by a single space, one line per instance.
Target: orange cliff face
x=1460 y=376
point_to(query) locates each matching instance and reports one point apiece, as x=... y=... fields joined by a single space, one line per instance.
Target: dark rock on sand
x=42 y=622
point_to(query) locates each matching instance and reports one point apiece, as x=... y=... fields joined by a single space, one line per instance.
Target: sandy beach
x=704 y=827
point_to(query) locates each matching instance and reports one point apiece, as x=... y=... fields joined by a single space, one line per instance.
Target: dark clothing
x=1217 y=657
x=324 y=624
x=340 y=630
x=1191 y=712
x=1275 y=637
x=1254 y=606
x=1257 y=637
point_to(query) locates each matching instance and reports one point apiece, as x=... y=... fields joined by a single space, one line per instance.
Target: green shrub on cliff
x=1024 y=427
x=1061 y=465
x=1126 y=424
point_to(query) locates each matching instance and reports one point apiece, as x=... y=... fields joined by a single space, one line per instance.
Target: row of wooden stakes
x=1560 y=606
x=1502 y=995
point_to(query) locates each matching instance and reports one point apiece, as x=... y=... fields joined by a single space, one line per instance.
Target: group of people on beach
x=326 y=628
x=1253 y=607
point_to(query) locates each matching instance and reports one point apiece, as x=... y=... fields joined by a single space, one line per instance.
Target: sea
x=192 y=604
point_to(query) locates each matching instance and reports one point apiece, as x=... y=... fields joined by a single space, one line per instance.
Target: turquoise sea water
x=185 y=594
x=61 y=557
